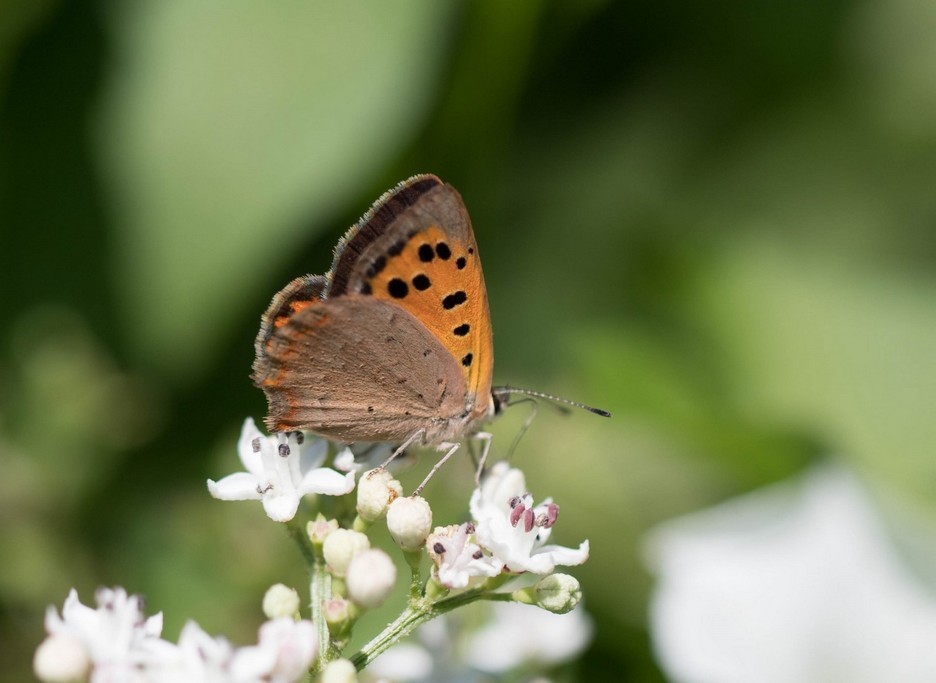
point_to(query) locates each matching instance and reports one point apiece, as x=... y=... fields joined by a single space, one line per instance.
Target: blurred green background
x=714 y=219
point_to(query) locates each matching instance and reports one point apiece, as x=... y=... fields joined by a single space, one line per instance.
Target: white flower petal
x=281 y=508
x=558 y=555
x=248 y=447
x=344 y=460
x=237 y=486
x=327 y=481
x=459 y=561
x=201 y=657
x=312 y=453
x=285 y=651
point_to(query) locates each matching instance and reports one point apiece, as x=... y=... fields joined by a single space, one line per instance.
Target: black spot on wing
x=397 y=288
x=426 y=254
x=396 y=248
x=377 y=266
x=453 y=300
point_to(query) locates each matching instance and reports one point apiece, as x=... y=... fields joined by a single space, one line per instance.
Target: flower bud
x=61 y=659
x=319 y=528
x=339 y=671
x=409 y=521
x=370 y=578
x=339 y=615
x=377 y=489
x=280 y=601
x=340 y=547
x=558 y=593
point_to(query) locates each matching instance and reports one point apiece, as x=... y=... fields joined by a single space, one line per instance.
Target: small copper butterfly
x=394 y=343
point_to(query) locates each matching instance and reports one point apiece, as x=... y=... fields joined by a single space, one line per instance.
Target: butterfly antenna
x=502 y=394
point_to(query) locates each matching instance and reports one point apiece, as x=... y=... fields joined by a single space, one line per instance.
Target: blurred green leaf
x=17 y=20
x=231 y=130
x=844 y=349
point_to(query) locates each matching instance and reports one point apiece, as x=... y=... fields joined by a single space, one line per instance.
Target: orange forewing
x=438 y=279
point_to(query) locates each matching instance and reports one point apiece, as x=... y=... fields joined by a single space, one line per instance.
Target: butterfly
x=394 y=343
x=395 y=339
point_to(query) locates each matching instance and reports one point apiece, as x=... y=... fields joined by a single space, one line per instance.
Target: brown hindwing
x=294 y=297
x=358 y=369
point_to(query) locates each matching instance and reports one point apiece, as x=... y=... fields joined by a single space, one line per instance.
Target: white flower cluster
x=508 y=535
x=116 y=643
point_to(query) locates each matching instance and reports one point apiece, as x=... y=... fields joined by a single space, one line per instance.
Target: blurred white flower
x=116 y=644
x=281 y=469
x=457 y=560
x=340 y=547
x=793 y=583
x=508 y=524
x=370 y=578
x=503 y=638
x=365 y=455
x=402 y=662
x=118 y=640
x=523 y=634
x=280 y=601
x=285 y=651
x=200 y=658
x=61 y=659
x=339 y=671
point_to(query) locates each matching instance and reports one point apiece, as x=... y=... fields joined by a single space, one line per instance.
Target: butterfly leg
x=485 y=439
x=452 y=447
x=418 y=434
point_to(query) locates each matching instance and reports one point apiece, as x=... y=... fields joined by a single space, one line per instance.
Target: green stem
x=416 y=614
x=413 y=559
x=400 y=628
x=319 y=591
